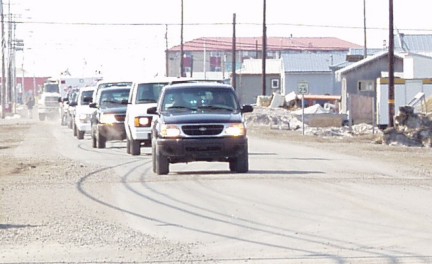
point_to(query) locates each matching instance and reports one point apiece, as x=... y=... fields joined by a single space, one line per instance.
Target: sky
x=128 y=37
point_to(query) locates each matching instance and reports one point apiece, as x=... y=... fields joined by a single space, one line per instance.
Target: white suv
x=83 y=113
x=144 y=95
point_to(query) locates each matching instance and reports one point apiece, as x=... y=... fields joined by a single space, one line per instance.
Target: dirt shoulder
x=357 y=145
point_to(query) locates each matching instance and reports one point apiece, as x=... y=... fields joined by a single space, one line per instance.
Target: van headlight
x=235 y=130
x=170 y=131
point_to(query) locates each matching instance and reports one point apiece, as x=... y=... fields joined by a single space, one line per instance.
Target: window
x=366 y=85
x=275 y=83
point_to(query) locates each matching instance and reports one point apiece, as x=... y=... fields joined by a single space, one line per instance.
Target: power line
x=208 y=24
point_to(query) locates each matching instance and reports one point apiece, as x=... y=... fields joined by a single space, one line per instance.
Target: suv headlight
x=108 y=119
x=170 y=131
x=237 y=129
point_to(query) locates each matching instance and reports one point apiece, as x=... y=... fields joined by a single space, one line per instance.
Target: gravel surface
x=45 y=218
x=44 y=214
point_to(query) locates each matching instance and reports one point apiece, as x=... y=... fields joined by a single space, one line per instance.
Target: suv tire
x=80 y=134
x=135 y=147
x=160 y=162
x=100 y=140
x=240 y=164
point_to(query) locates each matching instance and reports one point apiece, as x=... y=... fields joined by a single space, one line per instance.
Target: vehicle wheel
x=93 y=136
x=240 y=164
x=160 y=162
x=74 y=128
x=153 y=157
x=41 y=117
x=80 y=134
x=93 y=140
x=135 y=147
x=100 y=140
x=63 y=120
x=128 y=146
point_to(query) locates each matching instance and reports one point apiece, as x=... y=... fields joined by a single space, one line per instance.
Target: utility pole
x=391 y=95
x=264 y=49
x=233 y=70
x=182 y=71
x=3 y=82
x=166 y=51
x=364 y=30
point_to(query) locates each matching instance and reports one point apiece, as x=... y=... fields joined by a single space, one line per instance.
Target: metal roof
x=273 y=44
x=414 y=43
x=311 y=62
x=355 y=65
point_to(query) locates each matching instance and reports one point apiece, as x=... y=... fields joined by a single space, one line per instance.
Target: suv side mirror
x=152 y=111
x=246 y=109
x=92 y=105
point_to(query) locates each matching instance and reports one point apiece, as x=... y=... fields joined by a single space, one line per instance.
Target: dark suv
x=107 y=122
x=199 y=122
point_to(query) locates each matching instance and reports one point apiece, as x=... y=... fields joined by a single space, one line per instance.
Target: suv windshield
x=203 y=98
x=113 y=98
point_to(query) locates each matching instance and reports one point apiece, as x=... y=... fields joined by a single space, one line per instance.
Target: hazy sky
x=127 y=37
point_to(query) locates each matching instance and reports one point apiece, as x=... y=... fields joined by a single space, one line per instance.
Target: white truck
x=48 y=103
x=144 y=95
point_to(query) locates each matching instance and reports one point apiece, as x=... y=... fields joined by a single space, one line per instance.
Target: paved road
x=298 y=203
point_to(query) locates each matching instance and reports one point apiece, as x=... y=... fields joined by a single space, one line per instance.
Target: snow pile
x=283 y=119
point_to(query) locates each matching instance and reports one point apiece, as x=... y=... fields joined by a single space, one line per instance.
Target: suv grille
x=202 y=130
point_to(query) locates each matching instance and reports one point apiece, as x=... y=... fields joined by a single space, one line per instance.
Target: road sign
x=303 y=88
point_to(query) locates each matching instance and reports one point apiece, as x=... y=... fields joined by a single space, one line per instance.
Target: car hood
x=198 y=117
x=113 y=110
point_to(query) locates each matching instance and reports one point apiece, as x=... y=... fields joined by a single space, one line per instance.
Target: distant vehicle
x=48 y=103
x=199 y=122
x=110 y=83
x=67 y=84
x=107 y=122
x=68 y=109
x=83 y=113
x=144 y=95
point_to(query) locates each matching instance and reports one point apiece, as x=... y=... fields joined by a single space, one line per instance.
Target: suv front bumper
x=202 y=149
x=112 y=131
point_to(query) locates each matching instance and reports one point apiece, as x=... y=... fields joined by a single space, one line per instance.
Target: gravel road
x=44 y=216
